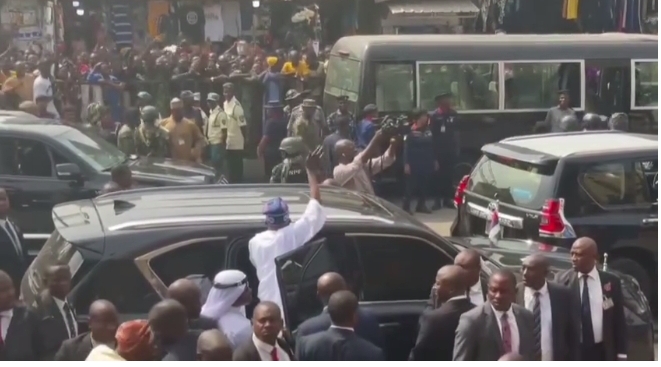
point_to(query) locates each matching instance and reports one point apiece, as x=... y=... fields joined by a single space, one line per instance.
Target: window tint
x=394 y=87
x=646 y=87
x=120 y=282
x=615 y=183
x=59 y=158
x=343 y=77
x=206 y=258
x=474 y=86
x=22 y=157
x=536 y=85
x=398 y=268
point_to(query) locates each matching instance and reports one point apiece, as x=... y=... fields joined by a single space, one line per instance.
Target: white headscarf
x=228 y=286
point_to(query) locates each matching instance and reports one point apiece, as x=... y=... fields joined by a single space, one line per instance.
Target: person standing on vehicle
x=150 y=139
x=214 y=130
x=367 y=127
x=282 y=235
x=342 y=130
x=419 y=161
x=275 y=131
x=234 y=133
x=186 y=140
x=13 y=259
x=603 y=325
x=443 y=123
x=555 y=114
x=619 y=121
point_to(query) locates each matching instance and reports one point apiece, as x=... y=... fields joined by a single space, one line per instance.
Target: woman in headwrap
x=134 y=343
x=226 y=304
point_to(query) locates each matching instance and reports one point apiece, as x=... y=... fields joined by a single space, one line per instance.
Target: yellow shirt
x=302 y=70
x=216 y=122
x=22 y=87
x=186 y=140
x=235 y=121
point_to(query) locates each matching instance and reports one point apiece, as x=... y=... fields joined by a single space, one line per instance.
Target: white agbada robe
x=228 y=286
x=268 y=245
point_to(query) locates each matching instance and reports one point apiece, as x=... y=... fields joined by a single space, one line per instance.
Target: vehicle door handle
x=650 y=222
x=389 y=325
x=37 y=201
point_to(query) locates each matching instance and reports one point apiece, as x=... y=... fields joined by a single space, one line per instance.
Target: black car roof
x=31 y=124
x=232 y=204
x=542 y=147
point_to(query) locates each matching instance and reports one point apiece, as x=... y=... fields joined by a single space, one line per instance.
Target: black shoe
x=423 y=209
x=437 y=206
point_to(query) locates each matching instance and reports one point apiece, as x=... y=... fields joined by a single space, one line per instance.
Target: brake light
x=553 y=223
x=461 y=189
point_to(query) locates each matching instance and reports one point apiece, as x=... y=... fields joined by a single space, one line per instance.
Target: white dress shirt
x=264 y=350
x=44 y=87
x=10 y=230
x=236 y=327
x=5 y=320
x=547 y=320
x=596 y=302
x=268 y=245
x=60 y=306
x=514 y=328
x=475 y=294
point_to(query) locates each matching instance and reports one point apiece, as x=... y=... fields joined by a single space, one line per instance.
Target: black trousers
x=594 y=352
x=417 y=184
x=443 y=180
x=234 y=166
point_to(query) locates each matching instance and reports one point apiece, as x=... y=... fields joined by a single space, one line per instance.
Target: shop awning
x=430 y=8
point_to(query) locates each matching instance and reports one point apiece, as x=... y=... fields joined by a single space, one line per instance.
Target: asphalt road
x=440 y=221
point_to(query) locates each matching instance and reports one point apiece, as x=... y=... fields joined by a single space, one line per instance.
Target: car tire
x=636 y=270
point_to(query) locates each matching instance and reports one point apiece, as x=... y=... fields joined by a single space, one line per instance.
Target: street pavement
x=440 y=221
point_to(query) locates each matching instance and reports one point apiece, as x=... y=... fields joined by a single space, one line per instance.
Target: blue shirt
x=364 y=133
x=419 y=151
x=272 y=87
x=112 y=97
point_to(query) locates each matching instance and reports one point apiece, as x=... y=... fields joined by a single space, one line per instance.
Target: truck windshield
x=55 y=251
x=512 y=182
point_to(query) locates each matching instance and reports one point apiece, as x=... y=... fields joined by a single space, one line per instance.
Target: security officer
x=151 y=140
x=342 y=110
x=569 y=123
x=446 y=145
x=275 y=130
x=592 y=121
x=419 y=160
x=292 y=168
x=126 y=134
x=213 y=131
x=144 y=99
x=619 y=121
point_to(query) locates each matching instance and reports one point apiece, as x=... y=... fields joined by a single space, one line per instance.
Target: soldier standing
x=342 y=110
x=419 y=161
x=213 y=131
x=151 y=140
x=292 y=168
x=305 y=126
x=125 y=136
x=446 y=145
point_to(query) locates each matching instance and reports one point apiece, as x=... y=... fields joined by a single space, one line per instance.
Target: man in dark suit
x=212 y=345
x=20 y=339
x=57 y=316
x=498 y=327
x=339 y=342
x=556 y=325
x=186 y=292
x=265 y=344
x=103 y=324
x=436 y=337
x=367 y=326
x=471 y=261
x=169 y=325
x=599 y=294
x=13 y=258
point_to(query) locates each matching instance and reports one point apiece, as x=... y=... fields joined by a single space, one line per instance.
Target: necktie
x=506 y=333
x=2 y=340
x=586 y=314
x=13 y=237
x=68 y=318
x=537 y=316
x=274 y=354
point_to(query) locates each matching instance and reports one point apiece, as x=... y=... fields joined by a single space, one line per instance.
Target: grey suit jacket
x=478 y=337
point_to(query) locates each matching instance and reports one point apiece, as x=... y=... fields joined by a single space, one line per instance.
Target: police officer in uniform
x=151 y=140
x=292 y=168
x=619 y=121
x=419 y=160
x=592 y=121
x=569 y=123
x=443 y=124
x=126 y=134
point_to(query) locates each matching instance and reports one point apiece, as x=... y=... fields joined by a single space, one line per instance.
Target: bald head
x=345 y=150
x=103 y=321
x=584 y=255
x=168 y=320
x=266 y=307
x=187 y=292
x=212 y=345
x=469 y=260
x=101 y=307
x=586 y=243
x=328 y=284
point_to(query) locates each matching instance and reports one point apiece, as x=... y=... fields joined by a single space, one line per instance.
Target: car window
x=205 y=258
x=398 y=268
x=24 y=157
x=617 y=183
x=119 y=282
x=93 y=149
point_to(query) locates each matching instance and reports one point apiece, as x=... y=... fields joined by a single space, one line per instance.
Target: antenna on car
x=605 y=267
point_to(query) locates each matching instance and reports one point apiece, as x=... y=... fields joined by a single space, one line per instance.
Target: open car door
x=297 y=273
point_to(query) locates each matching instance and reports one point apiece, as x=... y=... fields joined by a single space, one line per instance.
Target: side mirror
x=68 y=171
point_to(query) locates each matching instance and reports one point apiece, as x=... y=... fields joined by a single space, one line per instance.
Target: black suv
x=43 y=163
x=127 y=247
x=557 y=187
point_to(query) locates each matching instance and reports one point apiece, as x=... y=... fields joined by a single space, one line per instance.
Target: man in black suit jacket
x=103 y=324
x=13 y=258
x=436 y=336
x=20 y=339
x=367 y=326
x=556 y=323
x=188 y=293
x=57 y=315
x=169 y=325
x=265 y=344
x=339 y=342
x=601 y=308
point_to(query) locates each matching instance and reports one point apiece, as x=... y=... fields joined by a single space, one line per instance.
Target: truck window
x=343 y=77
x=474 y=86
x=535 y=85
x=513 y=182
x=394 y=87
x=646 y=84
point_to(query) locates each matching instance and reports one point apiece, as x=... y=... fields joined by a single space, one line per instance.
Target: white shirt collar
x=594 y=274
x=542 y=291
x=499 y=314
x=261 y=345
x=7 y=313
x=463 y=296
x=341 y=327
x=60 y=303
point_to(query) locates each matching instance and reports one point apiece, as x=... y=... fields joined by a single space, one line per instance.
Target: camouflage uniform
x=126 y=140
x=330 y=122
x=308 y=131
x=317 y=119
x=154 y=143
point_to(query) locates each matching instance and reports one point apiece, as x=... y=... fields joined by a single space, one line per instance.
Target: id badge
x=181 y=142
x=443 y=128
